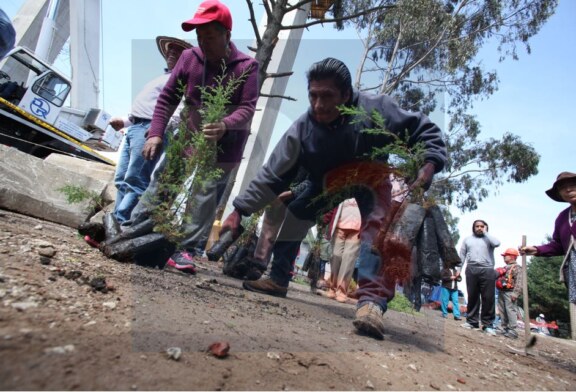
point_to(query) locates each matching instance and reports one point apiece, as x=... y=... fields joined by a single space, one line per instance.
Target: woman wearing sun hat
x=562 y=244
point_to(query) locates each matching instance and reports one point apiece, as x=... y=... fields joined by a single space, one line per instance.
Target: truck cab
x=33 y=117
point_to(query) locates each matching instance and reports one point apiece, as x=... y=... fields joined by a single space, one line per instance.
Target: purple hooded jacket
x=561 y=236
x=190 y=70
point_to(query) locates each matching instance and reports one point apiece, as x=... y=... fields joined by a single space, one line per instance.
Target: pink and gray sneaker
x=182 y=263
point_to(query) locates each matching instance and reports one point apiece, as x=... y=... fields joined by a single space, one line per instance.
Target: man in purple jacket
x=562 y=244
x=198 y=67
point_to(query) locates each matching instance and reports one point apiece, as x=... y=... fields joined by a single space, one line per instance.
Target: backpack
x=505 y=280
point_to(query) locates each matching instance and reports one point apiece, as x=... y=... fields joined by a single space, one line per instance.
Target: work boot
x=370 y=320
x=265 y=286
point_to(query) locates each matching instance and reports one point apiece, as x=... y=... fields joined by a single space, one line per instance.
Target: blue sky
x=534 y=100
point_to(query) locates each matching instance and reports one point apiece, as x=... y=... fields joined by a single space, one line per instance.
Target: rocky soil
x=72 y=319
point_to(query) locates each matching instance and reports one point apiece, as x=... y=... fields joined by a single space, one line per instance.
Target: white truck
x=33 y=117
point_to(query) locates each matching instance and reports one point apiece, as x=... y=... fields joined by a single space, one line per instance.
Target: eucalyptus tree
x=426 y=54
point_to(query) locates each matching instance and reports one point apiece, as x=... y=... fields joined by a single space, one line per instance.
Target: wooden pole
x=527 y=334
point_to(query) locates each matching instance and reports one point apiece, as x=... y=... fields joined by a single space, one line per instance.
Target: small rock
x=99 y=284
x=369 y=385
x=174 y=353
x=90 y=323
x=413 y=367
x=109 y=305
x=38 y=227
x=434 y=386
x=461 y=380
x=45 y=260
x=24 y=305
x=273 y=355
x=60 y=349
x=47 y=252
x=219 y=349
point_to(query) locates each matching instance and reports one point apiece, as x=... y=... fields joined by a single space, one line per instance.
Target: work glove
x=232 y=224
x=425 y=175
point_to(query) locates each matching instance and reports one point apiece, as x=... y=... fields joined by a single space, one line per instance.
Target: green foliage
x=425 y=54
x=402 y=304
x=546 y=293
x=474 y=165
x=78 y=194
x=404 y=157
x=250 y=225
x=191 y=154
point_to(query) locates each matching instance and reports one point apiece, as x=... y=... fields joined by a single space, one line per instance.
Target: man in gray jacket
x=327 y=144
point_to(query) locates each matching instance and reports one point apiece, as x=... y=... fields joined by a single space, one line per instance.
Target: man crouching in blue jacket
x=324 y=142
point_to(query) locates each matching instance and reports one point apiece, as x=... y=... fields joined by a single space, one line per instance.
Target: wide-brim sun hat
x=164 y=43
x=209 y=11
x=554 y=192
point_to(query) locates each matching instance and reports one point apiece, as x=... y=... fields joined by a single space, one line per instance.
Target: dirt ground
x=62 y=327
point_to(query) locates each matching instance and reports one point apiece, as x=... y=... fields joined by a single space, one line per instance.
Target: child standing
x=449 y=292
x=509 y=285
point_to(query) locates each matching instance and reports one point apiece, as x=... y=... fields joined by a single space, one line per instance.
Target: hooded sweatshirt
x=191 y=71
x=320 y=148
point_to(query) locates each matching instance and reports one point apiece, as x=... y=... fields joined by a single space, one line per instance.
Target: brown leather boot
x=265 y=286
x=370 y=320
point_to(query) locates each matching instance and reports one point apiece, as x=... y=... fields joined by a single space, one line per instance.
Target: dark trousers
x=481 y=286
x=373 y=204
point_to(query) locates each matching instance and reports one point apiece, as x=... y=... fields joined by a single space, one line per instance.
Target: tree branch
x=277 y=96
x=298 y=5
x=279 y=74
x=356 y=15
x=254 y=25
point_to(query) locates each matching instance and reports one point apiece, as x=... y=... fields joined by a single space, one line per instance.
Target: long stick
x=527 y=336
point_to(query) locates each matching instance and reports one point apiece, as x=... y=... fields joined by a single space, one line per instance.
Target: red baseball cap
x=209 y=11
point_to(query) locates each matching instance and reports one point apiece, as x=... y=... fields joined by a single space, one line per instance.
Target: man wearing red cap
x=509 y=285
x=200 y=67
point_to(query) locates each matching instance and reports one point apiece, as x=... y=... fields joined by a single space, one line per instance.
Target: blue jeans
x=447 y=295
x=132 y=172
x=373 y=285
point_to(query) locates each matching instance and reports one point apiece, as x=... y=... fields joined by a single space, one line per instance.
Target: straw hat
x=164 y=44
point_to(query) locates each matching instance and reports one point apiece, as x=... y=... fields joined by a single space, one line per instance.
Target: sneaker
x=265 y=286
x=370 y=320
x=458 y=318
x=182 y=263
x=469 y=326
x=489 y=330
x=444 y=316
x=511 y=334
x=501 y=330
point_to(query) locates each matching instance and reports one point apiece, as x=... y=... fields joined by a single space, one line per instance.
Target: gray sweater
x=479 y=251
